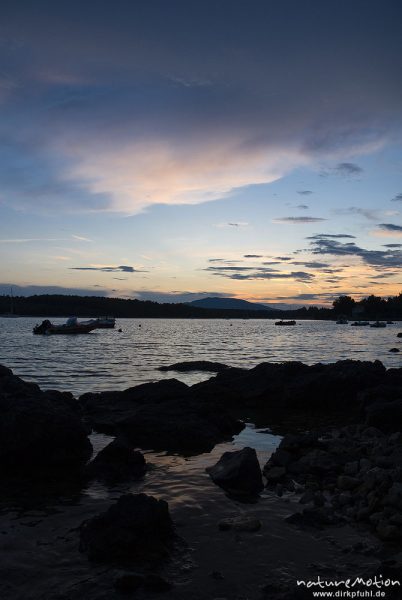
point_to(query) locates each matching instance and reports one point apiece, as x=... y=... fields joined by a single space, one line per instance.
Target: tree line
x=371 y=308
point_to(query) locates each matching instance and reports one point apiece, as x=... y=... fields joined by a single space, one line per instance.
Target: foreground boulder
x=117 y=462
x=39 y=430
x=238 y=472
x=136 y=529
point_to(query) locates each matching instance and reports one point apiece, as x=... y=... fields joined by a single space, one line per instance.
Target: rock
x=5 y=371
x=180 y=426
x=351 y=468
x=117 y=462
x=242 y=523
x=40 y=430
x=136 y=529
x=196 y=365
x=160 y=416
x=281 y=457
x=274 y=474
x=394 y=496
x=238 y=472
x=316 y=461
x=128 y=581
x=386 y=415
x=156 y=583
x=386 y=531
x=345 y=482
x=394 y=350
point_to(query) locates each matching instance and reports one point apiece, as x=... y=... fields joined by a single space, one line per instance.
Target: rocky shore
x=96 y=524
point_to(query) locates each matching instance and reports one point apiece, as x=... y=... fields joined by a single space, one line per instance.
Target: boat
x=390 y=323
x=285 y=323
x=71 y=327
x=342 y=322
x=378 y=324
x=360 y=324
x=101 y=322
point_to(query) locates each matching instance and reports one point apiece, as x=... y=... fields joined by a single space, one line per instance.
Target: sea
x=107 y=359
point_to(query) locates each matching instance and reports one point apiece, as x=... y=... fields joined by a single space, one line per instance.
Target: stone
x=274 y=474
x=117 y=462
x=242 y=523
x=136 y=529
x=345 y=482
x=40 y=430
x=128 y=581
x=238 y=472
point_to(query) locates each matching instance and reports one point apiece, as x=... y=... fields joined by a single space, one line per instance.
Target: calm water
x=107 y=359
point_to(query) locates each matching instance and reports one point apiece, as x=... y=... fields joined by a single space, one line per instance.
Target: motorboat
x=71 y=327
x=360 y=324
x=101 y=322
x=378 y=324
x=285 y=323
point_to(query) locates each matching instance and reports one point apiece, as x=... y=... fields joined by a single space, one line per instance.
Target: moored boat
x=378 y=324
x=71 y=327
x=285 y=323
x=360 y=324
x=101 y=322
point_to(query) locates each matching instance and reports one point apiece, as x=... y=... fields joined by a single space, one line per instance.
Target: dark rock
x=394 y=350
x=274 y=474
x=345 y=482
x=387 y=415
x=179 y=426
x=238 y=472
x=242 y=523
x=196 y=365
x=117 y=462
x=136 y=529
x=5 y=371
x=156 y=583
x=160 y=416
x=128 y=581
x=40 y=430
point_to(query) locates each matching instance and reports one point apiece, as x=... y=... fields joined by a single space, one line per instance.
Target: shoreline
x=40 y=536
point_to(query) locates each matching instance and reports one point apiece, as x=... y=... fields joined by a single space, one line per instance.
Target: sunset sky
x=168 y=150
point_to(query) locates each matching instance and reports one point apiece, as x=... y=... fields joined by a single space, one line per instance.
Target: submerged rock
x=196 y=365
x=238 y=472
x=136 y=529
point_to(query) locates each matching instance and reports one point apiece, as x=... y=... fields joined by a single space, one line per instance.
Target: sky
x=175 y=149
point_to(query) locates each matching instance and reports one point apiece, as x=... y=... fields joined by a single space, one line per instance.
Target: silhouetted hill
x=228 y=304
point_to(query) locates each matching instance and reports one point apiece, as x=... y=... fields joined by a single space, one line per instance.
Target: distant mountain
x=281 y=306
x=229 y=303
